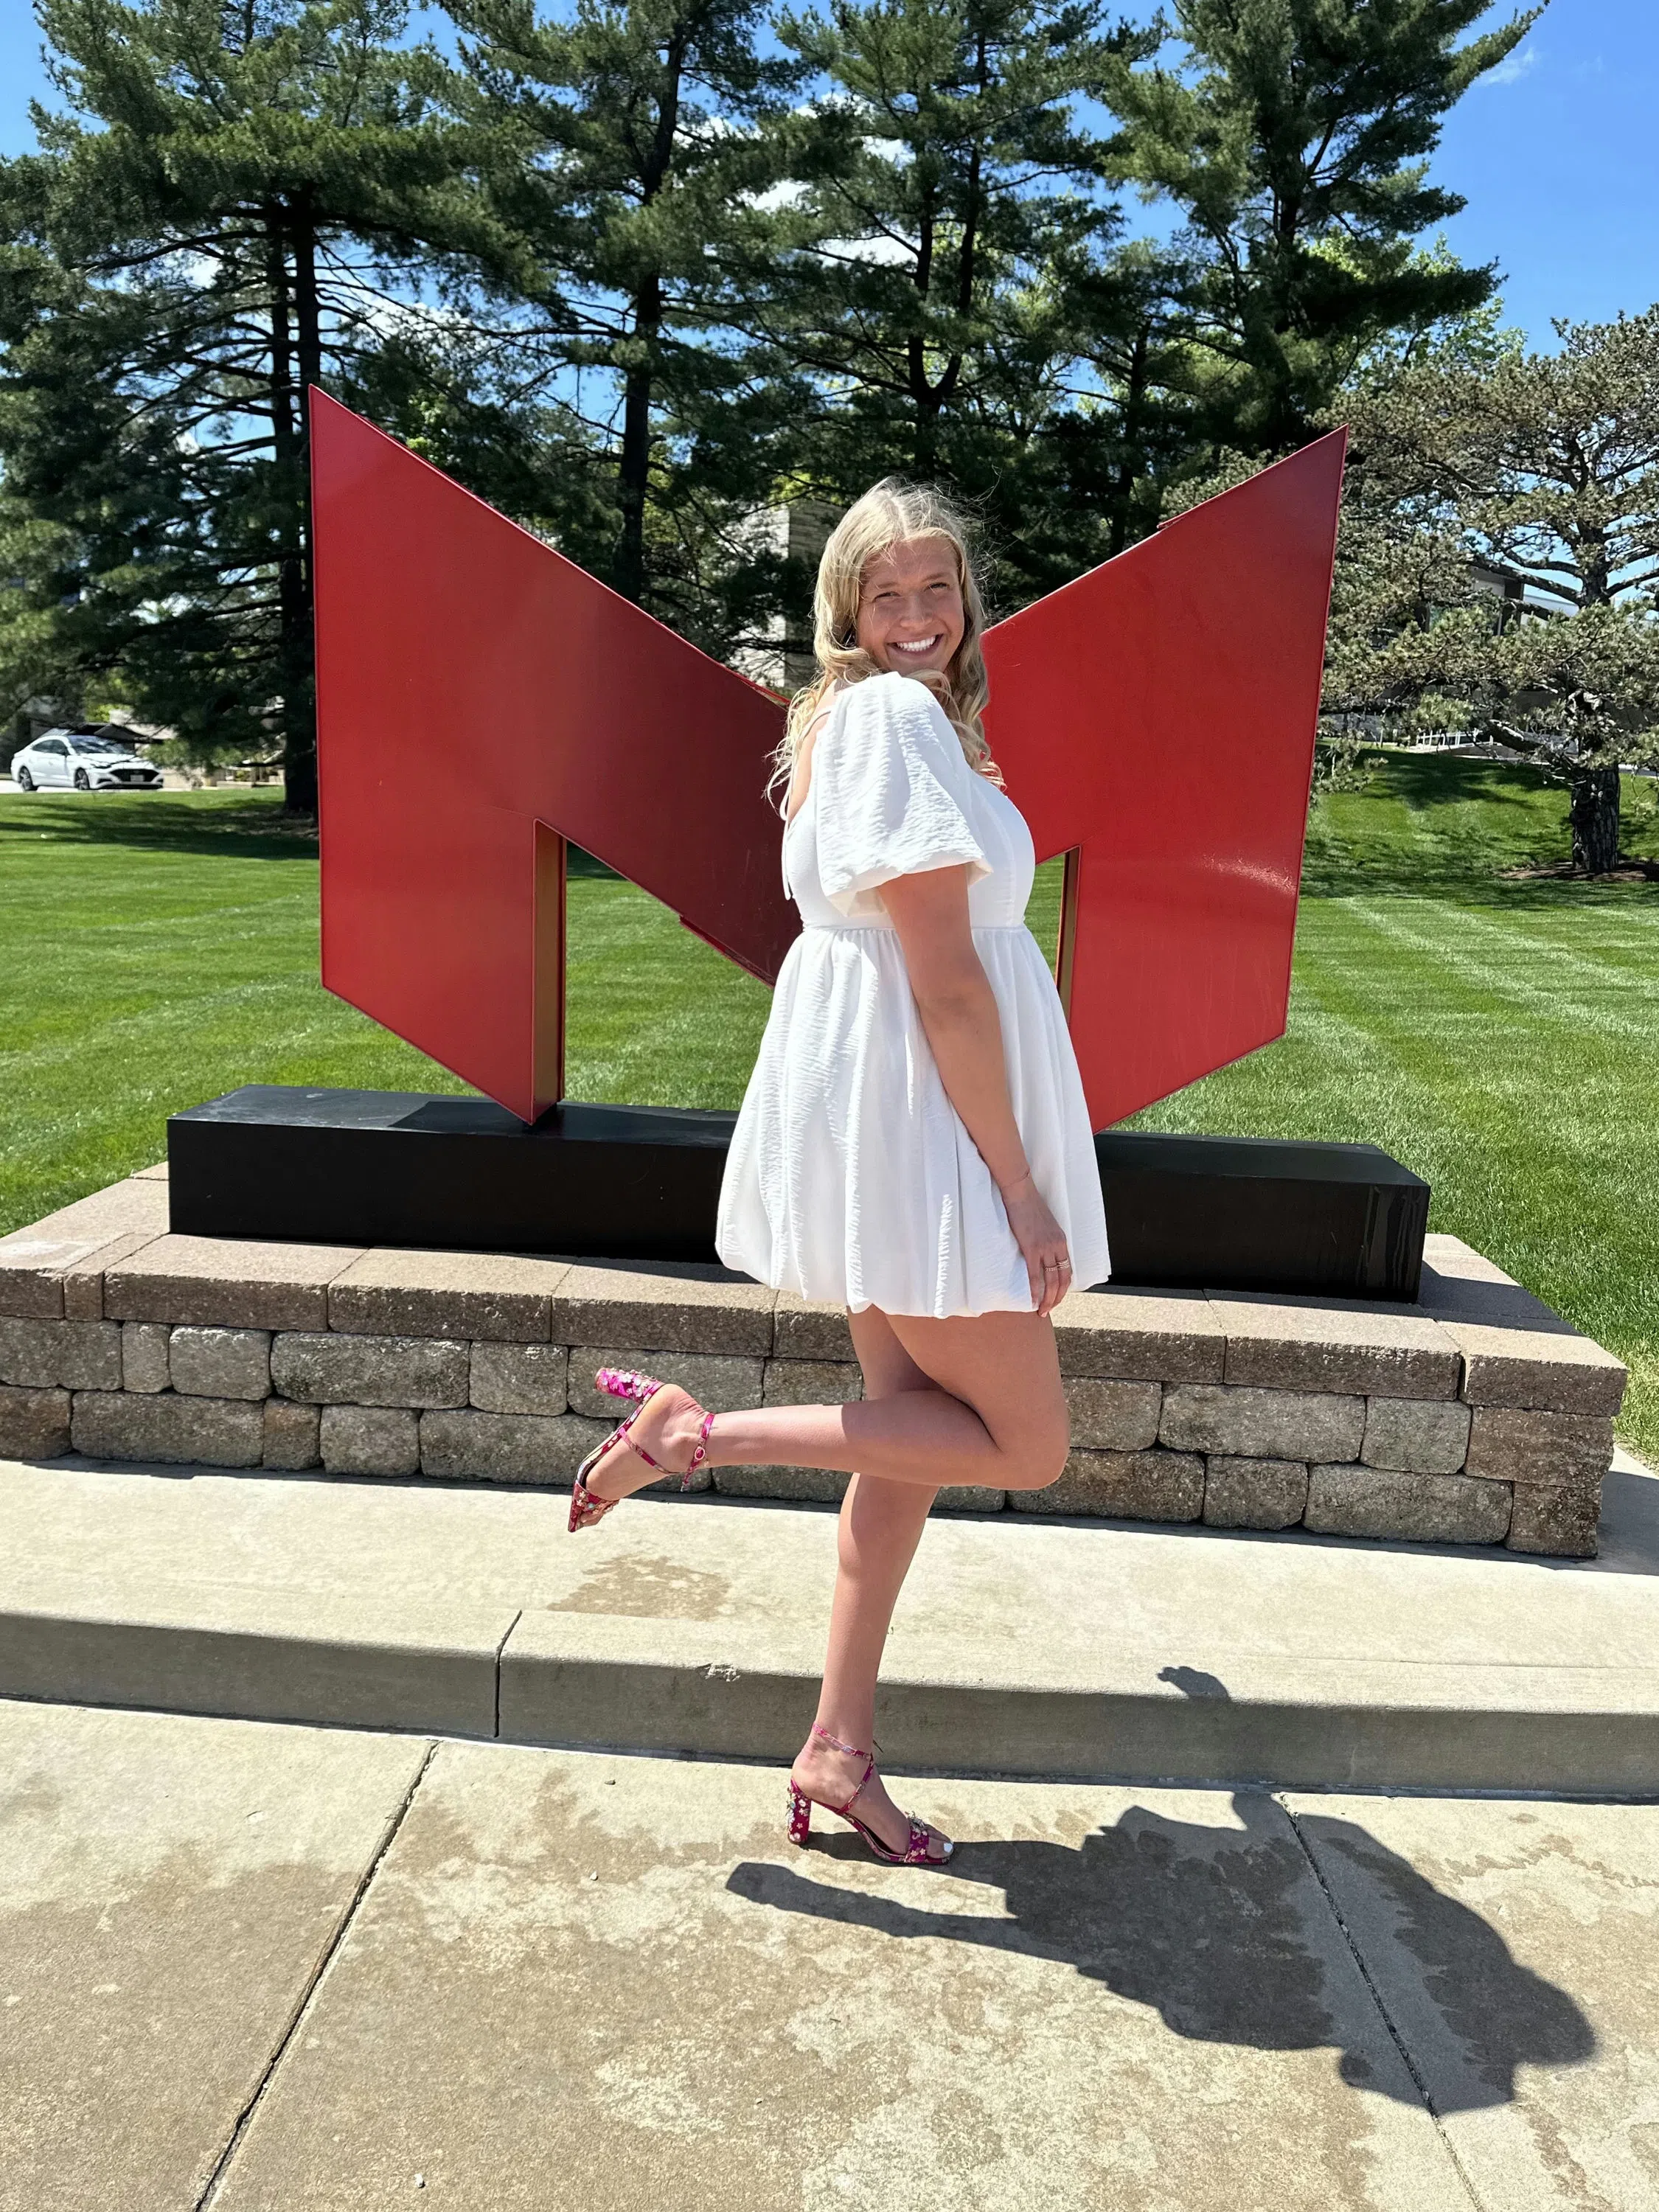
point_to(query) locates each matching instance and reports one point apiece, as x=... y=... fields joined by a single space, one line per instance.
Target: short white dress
x=850 y=1176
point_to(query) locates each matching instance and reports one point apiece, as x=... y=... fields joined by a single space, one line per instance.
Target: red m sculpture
x=481 y=700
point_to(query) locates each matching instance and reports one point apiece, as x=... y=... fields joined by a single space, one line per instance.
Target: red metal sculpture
x=481 y=700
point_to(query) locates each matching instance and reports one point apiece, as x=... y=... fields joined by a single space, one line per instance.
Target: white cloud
x=1514 y=66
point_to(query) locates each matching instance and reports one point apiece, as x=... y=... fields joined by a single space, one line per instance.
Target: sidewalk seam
x=210 y=2190
x=1394 y=2036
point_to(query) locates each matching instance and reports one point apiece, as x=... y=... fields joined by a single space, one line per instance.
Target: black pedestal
x=642 y=1183
x=1261 y=1213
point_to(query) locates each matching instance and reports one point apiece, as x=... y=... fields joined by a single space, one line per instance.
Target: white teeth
x=915 y=645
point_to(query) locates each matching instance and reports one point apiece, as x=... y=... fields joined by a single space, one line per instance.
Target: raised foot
x=669 y=1427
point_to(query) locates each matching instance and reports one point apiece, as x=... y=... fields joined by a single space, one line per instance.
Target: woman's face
x=910 y=611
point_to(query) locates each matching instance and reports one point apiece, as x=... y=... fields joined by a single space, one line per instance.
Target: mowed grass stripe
x=1439 y=932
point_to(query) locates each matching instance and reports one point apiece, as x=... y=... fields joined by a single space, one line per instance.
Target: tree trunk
x=1594 y=819
x=293 y=596
x=634 y=464
x=1134 y=400
x=300 y=697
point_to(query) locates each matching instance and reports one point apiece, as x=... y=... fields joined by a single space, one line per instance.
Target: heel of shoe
x=800 y=1815
x=623 y=1383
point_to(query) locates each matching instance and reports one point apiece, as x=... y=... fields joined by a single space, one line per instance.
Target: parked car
x=82 y=760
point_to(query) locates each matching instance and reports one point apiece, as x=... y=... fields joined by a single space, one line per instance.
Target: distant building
x=779 y=657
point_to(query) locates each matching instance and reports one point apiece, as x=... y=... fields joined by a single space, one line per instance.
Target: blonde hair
x=891 y=513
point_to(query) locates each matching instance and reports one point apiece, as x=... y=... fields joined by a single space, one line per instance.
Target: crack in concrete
x=1418 y=2080
x=215 y=2180
x=497 y=1730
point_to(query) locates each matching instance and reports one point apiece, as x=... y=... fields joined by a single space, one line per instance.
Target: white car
x=82 y=760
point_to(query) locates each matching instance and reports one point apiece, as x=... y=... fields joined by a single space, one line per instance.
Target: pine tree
x=653 y=134
x=1294 y=135
x=936 y=303
x=238 y=199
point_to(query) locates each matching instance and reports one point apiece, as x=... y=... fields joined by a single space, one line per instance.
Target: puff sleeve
x=890 y=787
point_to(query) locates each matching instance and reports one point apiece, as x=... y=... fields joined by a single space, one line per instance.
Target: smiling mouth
x=917 y=644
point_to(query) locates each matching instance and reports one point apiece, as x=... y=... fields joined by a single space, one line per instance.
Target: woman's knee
x=1037 y=1459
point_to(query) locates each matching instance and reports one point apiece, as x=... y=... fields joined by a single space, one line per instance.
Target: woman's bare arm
x=958 y=1012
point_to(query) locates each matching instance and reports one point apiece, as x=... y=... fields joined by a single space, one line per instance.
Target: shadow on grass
x=1425 y=780
x=1464 y=887
x=243 y=824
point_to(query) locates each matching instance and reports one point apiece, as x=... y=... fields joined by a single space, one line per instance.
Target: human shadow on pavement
x=1224 y=1931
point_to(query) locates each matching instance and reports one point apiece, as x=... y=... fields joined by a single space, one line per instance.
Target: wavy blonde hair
x=891 y=513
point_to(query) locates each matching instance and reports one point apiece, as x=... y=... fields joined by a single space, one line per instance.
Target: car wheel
x=82 y=780
x=25 y=780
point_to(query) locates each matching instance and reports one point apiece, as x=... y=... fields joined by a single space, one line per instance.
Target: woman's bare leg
x=881 y=1525
x=996 y=1416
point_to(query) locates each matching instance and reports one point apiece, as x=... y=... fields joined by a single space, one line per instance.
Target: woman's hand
x=1041 y=1243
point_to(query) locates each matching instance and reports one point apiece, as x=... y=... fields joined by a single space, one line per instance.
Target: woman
x=914 y=1144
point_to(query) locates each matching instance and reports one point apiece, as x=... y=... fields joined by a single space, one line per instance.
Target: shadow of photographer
x=1218 y=1929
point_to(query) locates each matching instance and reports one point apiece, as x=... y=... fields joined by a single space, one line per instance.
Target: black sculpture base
x=642 y=1183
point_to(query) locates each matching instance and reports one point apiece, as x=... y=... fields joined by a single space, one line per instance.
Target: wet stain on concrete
x=649 y=1588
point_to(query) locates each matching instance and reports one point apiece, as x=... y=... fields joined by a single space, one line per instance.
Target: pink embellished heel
x=623 y=1383
x=800 y=1815
x=915 y=1851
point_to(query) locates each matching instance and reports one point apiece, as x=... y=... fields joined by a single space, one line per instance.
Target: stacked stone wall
x=1477 y=1417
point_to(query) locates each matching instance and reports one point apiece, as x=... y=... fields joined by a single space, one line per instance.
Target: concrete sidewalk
x=270 y=1968
x=1020 y=1646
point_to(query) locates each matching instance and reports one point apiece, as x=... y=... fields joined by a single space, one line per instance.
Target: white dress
x=851 y=1177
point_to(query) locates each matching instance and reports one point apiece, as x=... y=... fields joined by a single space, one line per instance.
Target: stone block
x=664 y=1309
x=218 y=1282
x=1558 y=1520
x=520 y=1378
x=293 y=1434
x=1419 y=1508
x=90 y=1355
x=970 y=1497
x=1246 y=1423
x=1516 y=1351
x=70 y=1355
x=33 y=1424
x=174 y=1430
x=1552 y=1374
x=515 y=1447
x=807 y=1328
x=221 y=1362
x=343 y=1370
x=33 y=1261
x=144 y=1346
x=1511 y=1445
x=369 y=1440
x=1253 y=1493
x=503 y=1297
x=1334 y=1347
x=722 y=1385
x=1416 y=1436
x=812 y=1382
x=812 y=1486
x=29 y=1352
x=1107 y=1416
x=1139 y=1336
x=83 y=1279
x=1142 y=1486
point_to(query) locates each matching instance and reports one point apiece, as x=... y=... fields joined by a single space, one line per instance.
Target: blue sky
x=1559 y=162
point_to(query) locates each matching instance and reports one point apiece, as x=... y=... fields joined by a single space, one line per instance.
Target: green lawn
x=1500 y=1035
